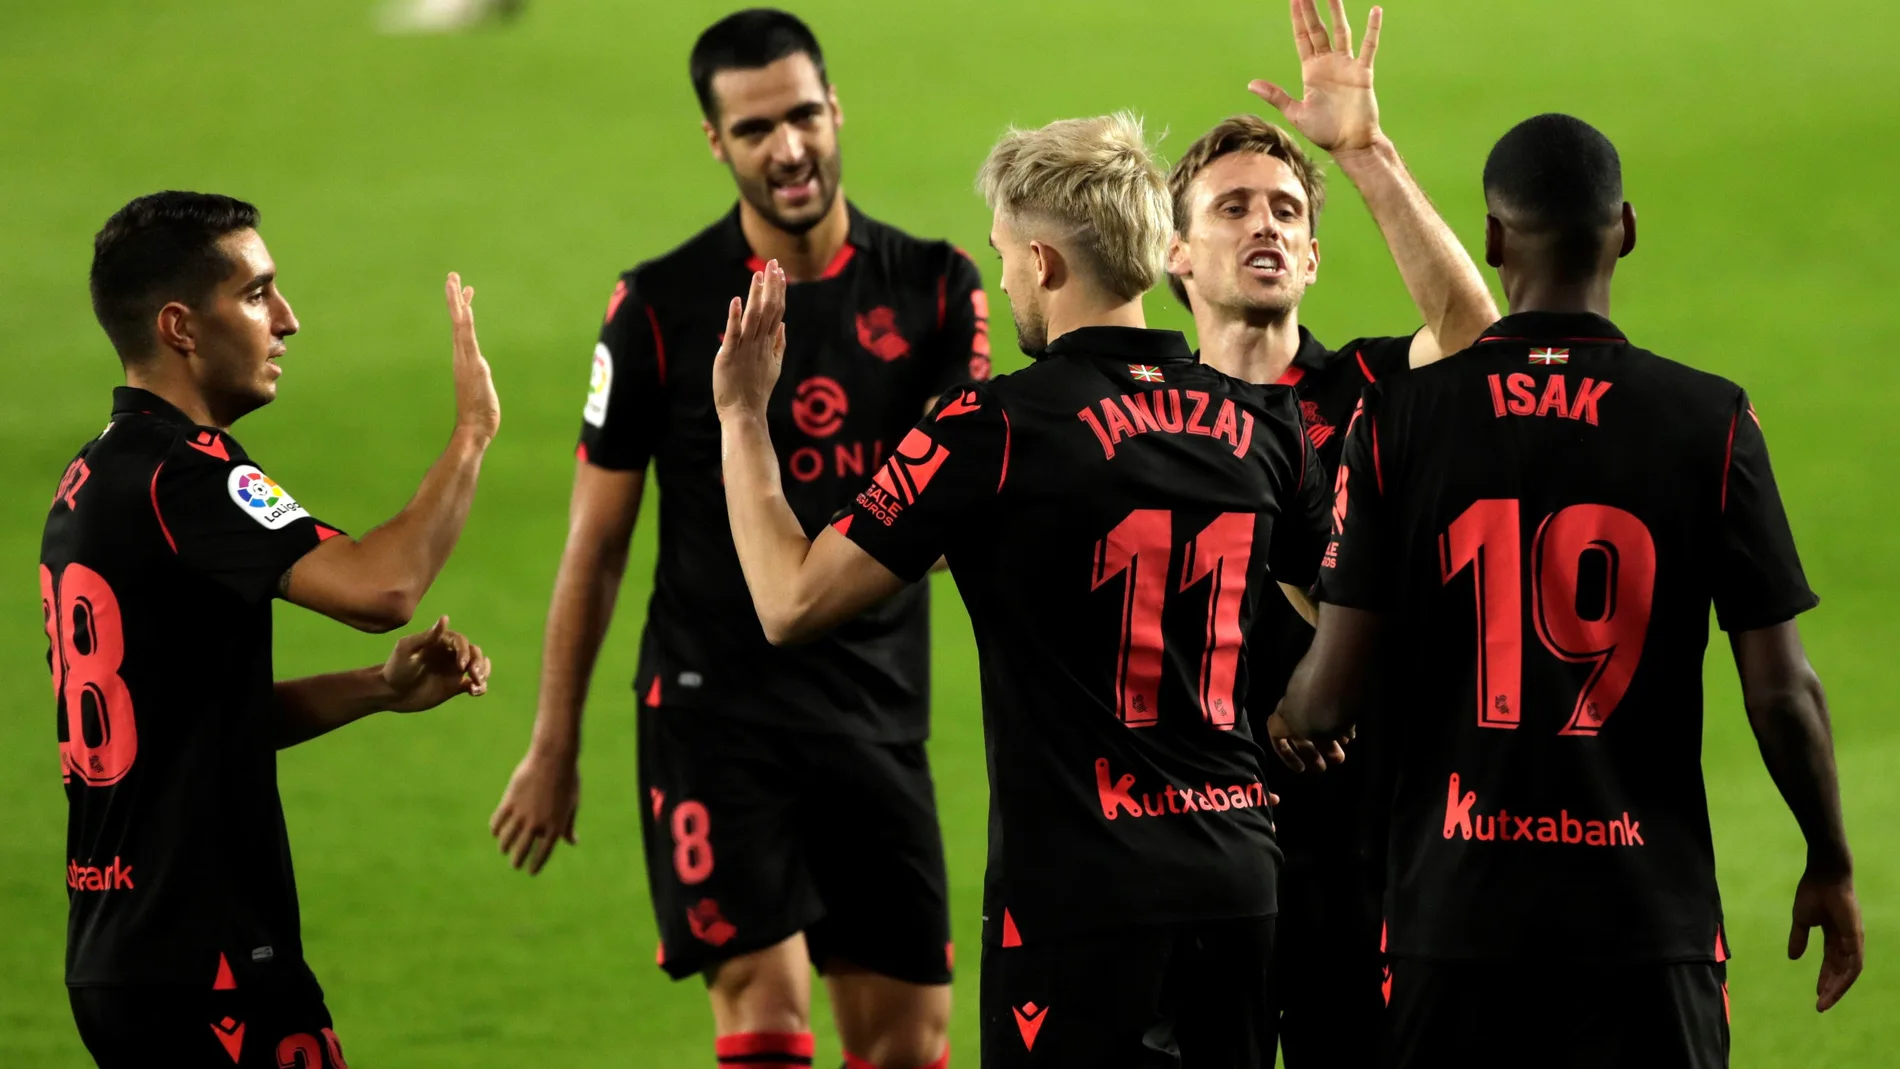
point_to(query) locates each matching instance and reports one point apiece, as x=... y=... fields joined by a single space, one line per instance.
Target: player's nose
x=789 y=147
x=285 y=322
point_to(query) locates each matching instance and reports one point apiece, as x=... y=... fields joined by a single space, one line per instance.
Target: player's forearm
x=402 y=558
x=318 y=705
x=771 y=543
x=1438 y=272
x=1792 y=728
x=585 y=590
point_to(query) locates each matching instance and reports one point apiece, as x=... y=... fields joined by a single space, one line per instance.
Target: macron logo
x=1505 y=826
x=114 y=877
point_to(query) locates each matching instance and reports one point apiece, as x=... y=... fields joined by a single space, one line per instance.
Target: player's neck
x=181 y=394
x=1063 y=316
x=1532 y=294
x=803 y=256
x=1248 y=349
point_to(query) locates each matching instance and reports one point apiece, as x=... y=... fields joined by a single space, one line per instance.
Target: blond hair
x=1242 y=133
x=1097 y=184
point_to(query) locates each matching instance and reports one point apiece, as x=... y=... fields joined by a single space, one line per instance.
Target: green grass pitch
x=542 y=159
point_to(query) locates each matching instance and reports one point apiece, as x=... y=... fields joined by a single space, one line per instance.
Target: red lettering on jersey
x=114 y=877
x=1521 y=403
x=210 y=444
x=805 y=464
x=1144 y=416
x=1170 y=422
x=76 y=475
x=849 y=459
x=1088 y=416
x=1561 y=829
x=1497 y=394
x=1588 y=394
x=1225 y=425
x=1118 y=424
x=1246 y=439
x=1194 y=424
x=1114 y=798
x=1556 y=398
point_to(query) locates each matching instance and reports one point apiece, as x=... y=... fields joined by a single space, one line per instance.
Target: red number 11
x=1139 y=548
x=1485 y=538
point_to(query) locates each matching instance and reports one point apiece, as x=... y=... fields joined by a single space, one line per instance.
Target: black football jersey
x=1113 y=516
x=163 y=547
x=1547 y=518
x=893 y=323
x=1333 y=814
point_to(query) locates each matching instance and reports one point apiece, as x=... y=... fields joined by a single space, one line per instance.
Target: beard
x=1032 y=331
x=757 y=192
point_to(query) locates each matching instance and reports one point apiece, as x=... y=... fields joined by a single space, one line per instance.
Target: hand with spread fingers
x=538 y=810
x=753 y=347
x=428 y=669
x=1301 y=754
x=1339 y=112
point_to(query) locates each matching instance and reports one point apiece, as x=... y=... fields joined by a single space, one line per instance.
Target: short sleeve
x=945 y=472
x=227 y=520
x=1352 y=570
x=1758 y=579
x=1301 y=532
x=624 y=414
x=963 y=318
x=1376 y=358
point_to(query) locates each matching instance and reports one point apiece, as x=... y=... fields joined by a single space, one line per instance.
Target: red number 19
x=1485 y=537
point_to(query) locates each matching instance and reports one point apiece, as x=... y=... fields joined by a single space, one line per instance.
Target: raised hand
x=1830 y=905
x=1338 y=112
x=747 y=366
x=427 y=669
x=477 y=408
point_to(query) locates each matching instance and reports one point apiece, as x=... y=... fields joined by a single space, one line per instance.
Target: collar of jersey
x=1134 y=344
x=1312 y=353
x=1581 y=328
x=738 y=250
x=132 y=401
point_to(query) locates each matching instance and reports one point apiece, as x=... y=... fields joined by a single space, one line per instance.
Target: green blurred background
x=542 y=158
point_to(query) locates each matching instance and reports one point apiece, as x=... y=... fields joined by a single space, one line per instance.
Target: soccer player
x=788 y=809
x=164 y=545
x=1247 y=202
x=1542 y=578
x=1112 y=516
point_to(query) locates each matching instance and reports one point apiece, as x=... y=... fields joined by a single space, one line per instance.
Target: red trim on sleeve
x=580 y=452
x=843 y=526
x=1291 y=376
x=659 y=343
x=169 y=540
x=1728 y=460
x=613 y=303
x=1378 y=472
x=1005 y=476
x=1305 y=444
x=943 y=300
x=1362 y=365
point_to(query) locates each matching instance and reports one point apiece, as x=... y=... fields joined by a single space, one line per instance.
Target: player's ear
x=176 y=328
x=1312 y=262
x=1629 y=230
x=837 y=111
x=1493 y=241
x=1179 y=265
x=1050 y=270
x=713 y=143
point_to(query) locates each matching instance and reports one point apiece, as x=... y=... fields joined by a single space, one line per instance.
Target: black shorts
x=1328 y=962
x=264 y=1024
x=756 y=833
x=1199 y=996
x=1562 y=1015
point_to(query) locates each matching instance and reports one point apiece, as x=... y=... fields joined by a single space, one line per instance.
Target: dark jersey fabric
x=1547 y=518
x=1112 y=516
x=162 y=549
x=1328 y=815
x=894 y=322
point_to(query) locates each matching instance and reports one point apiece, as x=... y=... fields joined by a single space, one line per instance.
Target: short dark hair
x=1558 y=174
x=159 y=248
x=748 y=40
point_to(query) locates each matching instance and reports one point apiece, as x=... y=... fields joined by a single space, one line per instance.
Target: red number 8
x=88 y=640
x=692 y=850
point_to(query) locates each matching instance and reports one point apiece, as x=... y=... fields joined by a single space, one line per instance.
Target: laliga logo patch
x=599 y=386
x=261 y=499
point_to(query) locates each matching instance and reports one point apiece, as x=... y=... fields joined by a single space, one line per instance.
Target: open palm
x=1339 y=112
